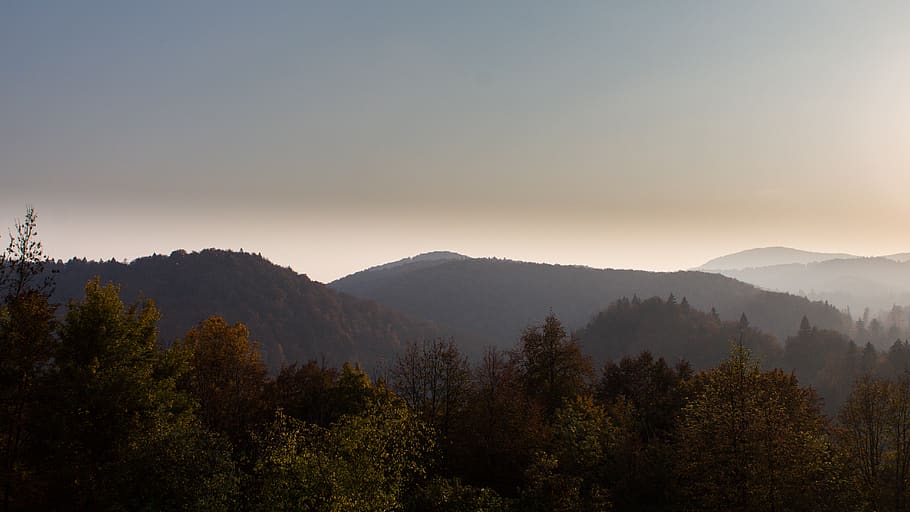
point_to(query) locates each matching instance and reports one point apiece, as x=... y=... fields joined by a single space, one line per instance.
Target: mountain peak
x=438 y=255
x=768 y=256
x=426 y=258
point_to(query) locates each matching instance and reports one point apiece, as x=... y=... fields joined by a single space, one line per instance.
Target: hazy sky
x=334 y=136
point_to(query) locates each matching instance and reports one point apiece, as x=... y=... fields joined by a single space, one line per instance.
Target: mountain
x=847 y=281
x=293 y=317
x=767 y=256
x=876 y=283
x=492 y=300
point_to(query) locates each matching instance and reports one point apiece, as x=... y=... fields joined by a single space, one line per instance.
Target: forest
x=96 y=413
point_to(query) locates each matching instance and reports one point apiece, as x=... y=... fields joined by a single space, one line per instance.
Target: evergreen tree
x=743 y=322
x=805 y=329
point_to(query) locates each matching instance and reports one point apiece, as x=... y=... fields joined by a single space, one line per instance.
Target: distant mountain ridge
x=876 y=283
x=427 y=259
x=771 y=256
x=852 y=282
x=494 y=299
x=424 y=258
x=293 y=317
x=369 y=315
x=768 y=256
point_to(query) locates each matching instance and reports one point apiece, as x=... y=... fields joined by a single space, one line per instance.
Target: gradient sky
x=339 y=135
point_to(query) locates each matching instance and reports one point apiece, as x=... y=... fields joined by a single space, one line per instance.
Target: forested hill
x=673 y=330
x=293 y=317
x=826 y=360
x=496 y=298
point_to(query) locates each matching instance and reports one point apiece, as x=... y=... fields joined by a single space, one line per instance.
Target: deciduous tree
x=434 y=379
x=363 y=462
x=225 y=375
x=552 y=365
x=113 y=390
x=754 y=440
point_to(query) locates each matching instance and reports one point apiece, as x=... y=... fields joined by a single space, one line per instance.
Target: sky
x=333 y=136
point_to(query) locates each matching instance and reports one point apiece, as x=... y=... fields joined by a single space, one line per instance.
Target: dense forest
x=827 y=360
x=98 y=413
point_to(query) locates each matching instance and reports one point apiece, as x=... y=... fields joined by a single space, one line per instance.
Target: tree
x=654 y=389
x=805 y=328
x=225 y=375
x=181 y=467
x=364 y=462
x=503 y=427
x=113 y=391
x=899 y=356
x=875 y=434
x=434 y=379
x=864 y=419
x=27 y=344
x=821 y=358
x=305 y=393
x=354 y=392
x=552 y=366
x=22 y=265
x=869 y=359
x=743 y=322
x=899 y=439
x=754 y=440
x=645 y=397
x=576 y=464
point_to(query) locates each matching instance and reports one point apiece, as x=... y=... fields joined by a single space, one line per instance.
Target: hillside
x=670 y=329
x=426 y=259
x=767 y=256
x=404 y=265
x=826 y=360
x=876 y=283
x=495 y=299
x=293 y=317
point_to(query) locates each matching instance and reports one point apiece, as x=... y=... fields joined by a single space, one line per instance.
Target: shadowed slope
x=293 y=317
